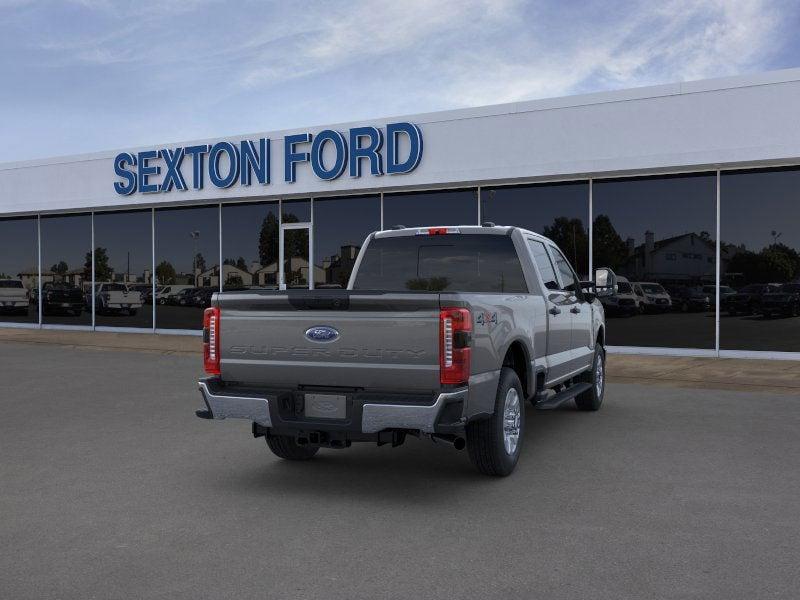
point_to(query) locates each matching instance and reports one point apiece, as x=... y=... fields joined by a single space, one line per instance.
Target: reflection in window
x=250 y=245
x=187 y=265
x=66 y=269
x=658 y=230
x=559 y=211
x=454 y=207
x=123 y=265
x=340 y=227
x=19 y=270
x=296 y=211
x=760 y=260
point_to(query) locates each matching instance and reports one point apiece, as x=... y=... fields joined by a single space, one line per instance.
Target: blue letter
x=253 y=161
x=173 y=176
x=372 y=151
x=122 y=159
x=145 y=170
x=213 y=164
x=197 y=153
x=415 y=154
x=317 y=148
x=290 y=157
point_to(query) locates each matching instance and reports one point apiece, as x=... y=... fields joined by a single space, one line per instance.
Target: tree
x=268 y=241
x=102 y=271
x=199 y=262
x=573 y=240
x=59 y=268
x=609 y=249
x=165 y=273
x=241 y=263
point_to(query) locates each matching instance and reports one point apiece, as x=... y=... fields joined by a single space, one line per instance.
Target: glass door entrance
x=295 y=253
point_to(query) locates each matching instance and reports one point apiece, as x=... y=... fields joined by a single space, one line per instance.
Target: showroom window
x=452 y=207
x=559 y=211
x=123 y=267
x=19 y=270
x=187 y=264
x=340 y=227
x=250 y=245
x=658 y=231
x=66 y=269
x=760 y=260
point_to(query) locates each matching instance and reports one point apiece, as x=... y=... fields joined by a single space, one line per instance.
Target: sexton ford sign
x=225 y=164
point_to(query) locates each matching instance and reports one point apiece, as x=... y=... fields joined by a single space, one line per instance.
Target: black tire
x=485 y=438
x=286 y=447
x=592 y=399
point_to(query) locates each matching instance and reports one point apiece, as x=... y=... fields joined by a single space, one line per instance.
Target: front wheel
x=494 y=444
x=286 y=447
x=592 y=398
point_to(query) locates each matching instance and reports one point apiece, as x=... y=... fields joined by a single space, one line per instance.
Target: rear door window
x=544 y=264
x=452 y=263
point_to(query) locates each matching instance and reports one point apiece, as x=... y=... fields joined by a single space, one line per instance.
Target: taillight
x=211 y=340
x=455 y=337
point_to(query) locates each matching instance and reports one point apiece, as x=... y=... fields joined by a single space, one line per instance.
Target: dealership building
x=689 y=191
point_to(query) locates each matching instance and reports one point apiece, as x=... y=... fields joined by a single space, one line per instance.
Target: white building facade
x=686 y=185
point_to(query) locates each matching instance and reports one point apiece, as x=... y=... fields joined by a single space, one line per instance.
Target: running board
x=563 y=396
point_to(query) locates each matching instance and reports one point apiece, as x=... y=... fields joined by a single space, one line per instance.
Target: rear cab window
x=448 y=263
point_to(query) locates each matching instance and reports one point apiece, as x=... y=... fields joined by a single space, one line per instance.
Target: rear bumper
x=367 y=413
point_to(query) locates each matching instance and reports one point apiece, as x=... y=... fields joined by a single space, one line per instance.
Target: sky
x=90 y=75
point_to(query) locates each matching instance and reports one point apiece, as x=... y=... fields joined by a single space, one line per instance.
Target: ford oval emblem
x=321 y=333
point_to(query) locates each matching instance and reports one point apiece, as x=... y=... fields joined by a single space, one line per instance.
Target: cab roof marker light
x=438 y=230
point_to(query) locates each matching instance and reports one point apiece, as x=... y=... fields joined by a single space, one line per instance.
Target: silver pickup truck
x=442 y=332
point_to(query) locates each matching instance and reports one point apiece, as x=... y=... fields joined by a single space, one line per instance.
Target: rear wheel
x=592 y=398
x=495 y=443
x=286 y=447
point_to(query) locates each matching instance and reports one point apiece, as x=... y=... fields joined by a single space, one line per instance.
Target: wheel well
x=516 y=358
x=601 y=336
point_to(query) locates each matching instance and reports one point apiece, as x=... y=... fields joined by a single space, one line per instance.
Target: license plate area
x=324 y=406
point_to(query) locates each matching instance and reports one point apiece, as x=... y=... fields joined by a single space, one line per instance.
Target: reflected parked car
x=622 y=303
x=145 y=289
x=114 y=298
x=14 y=298
x=166 y=293
x=652 y=297
x=748 y=299
x=784 y=301
x=202 y=297
x=726 y=292
x=183 y=297
x=62 y=298
x=690 y=299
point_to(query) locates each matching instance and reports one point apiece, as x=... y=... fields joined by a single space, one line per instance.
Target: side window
x=567 y=274
x=544 y=264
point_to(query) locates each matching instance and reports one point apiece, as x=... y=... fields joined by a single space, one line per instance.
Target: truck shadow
x=419 y=472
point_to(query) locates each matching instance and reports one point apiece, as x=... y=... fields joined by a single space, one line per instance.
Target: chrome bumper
x=375 y=416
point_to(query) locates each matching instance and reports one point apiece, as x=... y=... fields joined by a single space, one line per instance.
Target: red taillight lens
x=211 y=340
x=455 y=337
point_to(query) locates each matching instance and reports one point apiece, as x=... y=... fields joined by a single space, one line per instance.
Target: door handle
x=575 y=310
x=555 y=311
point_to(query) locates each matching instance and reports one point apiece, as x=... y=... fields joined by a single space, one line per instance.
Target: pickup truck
x=115 y=298
x=13 y=296
x=442 y=332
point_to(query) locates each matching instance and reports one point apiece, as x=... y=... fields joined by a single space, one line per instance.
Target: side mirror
x=605 y=282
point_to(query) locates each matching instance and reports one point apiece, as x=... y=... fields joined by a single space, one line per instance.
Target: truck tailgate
x=378 y=341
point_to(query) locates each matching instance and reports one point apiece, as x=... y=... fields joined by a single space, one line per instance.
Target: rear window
x=452 y=263
x=10 y=283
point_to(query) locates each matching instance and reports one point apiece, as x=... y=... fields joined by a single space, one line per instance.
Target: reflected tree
x=165 y=273
x=102 y=270
x=60 y=268
x=609 y=249
x=573 y=240
x=268 y=241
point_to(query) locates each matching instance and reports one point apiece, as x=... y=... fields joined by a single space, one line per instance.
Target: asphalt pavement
x=111 y=488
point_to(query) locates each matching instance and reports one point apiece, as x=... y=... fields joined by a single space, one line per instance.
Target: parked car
x=623 y=302
x=652 y=297
x=726 y=292
x=115 y=298
x=202 y=297
x=748 y=299
x=183 y=297
x=14 y=298
x=783 y=301
x=447 y=344
x=164 y=295
x=60 y=297
x=145 y=289
x=690 y=299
